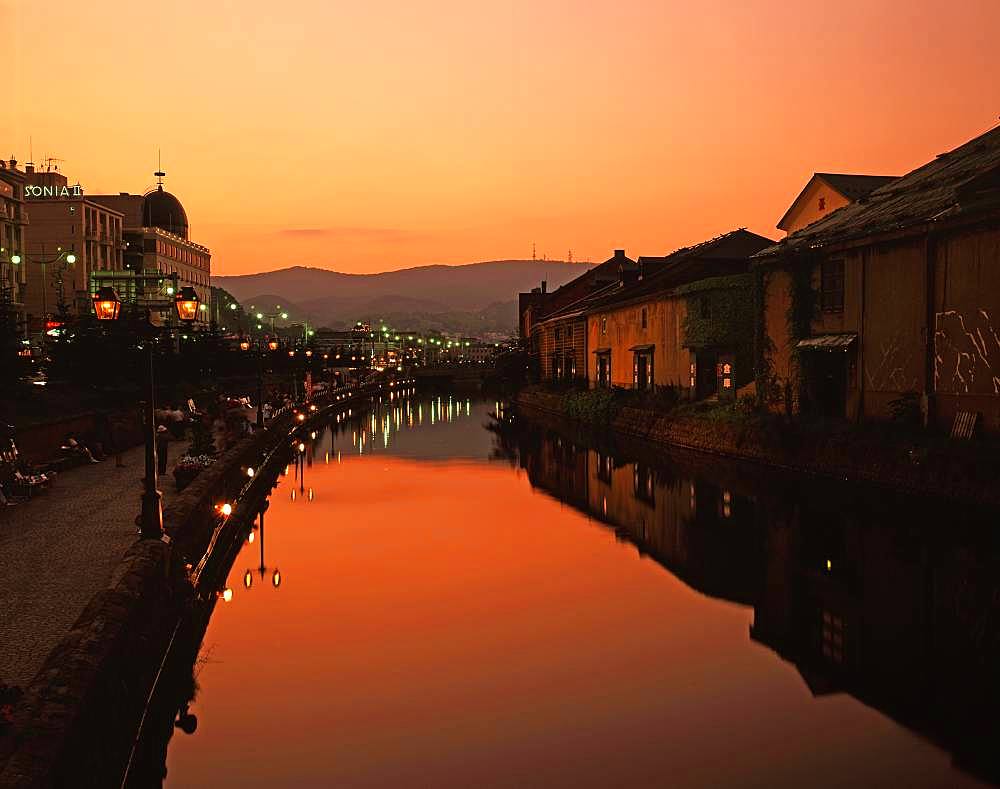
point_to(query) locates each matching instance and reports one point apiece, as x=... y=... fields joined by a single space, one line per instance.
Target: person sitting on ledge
x=74 y=447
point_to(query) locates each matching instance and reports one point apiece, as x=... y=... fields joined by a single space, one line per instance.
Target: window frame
x=832 y=276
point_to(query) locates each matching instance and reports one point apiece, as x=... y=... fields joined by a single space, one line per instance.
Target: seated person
x=74 y=447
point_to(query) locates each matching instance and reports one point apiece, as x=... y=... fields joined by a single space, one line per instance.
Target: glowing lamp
x=273 y=345
x=71 y=258
x=226 y=509
x=245 y=345
x=107 y=305
x=187 y=302
x=276 y=579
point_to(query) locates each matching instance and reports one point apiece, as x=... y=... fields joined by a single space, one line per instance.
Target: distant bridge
x=459 y=373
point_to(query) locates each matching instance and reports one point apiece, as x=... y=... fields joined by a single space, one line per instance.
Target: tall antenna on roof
x=159 y=170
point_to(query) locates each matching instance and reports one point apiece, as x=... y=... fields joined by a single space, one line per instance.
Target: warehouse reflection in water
x=404 y=581
x=891 y=599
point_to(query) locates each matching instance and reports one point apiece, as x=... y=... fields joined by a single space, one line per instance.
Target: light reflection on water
x=460 y=607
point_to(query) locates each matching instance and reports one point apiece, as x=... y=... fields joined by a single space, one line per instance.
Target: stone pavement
x=59 y=549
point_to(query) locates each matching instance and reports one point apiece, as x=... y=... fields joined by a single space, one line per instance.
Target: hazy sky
x=364 y=136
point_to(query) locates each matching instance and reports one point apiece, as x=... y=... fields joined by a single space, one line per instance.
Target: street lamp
x=107 y=307
x=245 y=345
x=187 y=302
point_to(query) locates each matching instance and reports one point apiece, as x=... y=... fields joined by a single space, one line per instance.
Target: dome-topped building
x=161 y=209
x=157 y=237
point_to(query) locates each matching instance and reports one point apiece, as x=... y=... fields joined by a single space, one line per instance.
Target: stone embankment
x=76 y=722
x=951 y=471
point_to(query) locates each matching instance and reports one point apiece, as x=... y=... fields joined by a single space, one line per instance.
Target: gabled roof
x=852 y=187
x=961 y=182
x=725 y=254
x=582 y=287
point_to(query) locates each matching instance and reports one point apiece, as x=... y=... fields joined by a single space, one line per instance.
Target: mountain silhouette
x=471 y=297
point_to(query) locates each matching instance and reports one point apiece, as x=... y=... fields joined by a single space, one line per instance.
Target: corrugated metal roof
x=827 y=342
x=934 y=191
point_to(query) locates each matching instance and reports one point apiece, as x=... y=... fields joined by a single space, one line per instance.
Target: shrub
x=596 y=406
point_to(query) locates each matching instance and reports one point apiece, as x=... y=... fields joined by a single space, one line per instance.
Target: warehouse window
x=832 y=286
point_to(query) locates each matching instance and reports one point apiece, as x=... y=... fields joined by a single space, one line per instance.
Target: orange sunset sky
x=365 y=136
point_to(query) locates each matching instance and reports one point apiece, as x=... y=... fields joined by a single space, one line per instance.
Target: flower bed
x=189 y=467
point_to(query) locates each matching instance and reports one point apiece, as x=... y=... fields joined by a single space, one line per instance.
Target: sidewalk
x=59 y=549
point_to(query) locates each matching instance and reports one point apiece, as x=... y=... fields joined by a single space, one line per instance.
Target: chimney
x=544 y=285
x=29 y=168
x=13 y=163
x=620 y=255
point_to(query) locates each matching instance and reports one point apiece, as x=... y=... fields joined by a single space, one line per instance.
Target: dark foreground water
x=444 y=605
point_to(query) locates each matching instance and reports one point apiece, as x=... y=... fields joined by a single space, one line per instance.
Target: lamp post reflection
x=262 y=569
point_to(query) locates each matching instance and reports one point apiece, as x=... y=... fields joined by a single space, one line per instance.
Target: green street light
x=15 y=259
x=284 y=316
x=260 y=316
x=71 y=258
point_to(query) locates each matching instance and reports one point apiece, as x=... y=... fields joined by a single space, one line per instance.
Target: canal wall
x=951 y=471
x=76 y=722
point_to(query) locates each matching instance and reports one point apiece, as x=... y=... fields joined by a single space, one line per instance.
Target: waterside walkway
x=58 y=550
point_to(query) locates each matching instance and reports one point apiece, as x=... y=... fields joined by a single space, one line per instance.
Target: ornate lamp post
x=65 y=258
x=246 y=345
x=107 y=307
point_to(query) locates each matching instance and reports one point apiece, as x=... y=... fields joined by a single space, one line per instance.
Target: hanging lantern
x=107 y=305
x=186 y=303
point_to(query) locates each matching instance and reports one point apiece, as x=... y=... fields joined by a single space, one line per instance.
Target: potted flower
x=189 y=467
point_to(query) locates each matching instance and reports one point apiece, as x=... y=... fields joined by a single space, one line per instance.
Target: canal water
x=447 y=595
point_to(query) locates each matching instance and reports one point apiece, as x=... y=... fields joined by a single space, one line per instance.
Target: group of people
x=223 y=423
x=174 y=418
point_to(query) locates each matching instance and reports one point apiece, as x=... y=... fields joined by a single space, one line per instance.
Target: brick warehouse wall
x=953 y=471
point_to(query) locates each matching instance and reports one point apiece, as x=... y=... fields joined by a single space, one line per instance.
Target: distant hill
x=469 y=298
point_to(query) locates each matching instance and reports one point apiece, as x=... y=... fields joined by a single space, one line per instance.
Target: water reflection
x=893 y=600
x=450 y=618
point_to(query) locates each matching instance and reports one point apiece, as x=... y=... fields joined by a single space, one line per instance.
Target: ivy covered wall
x=721 y=315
